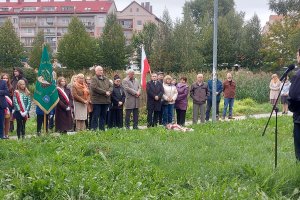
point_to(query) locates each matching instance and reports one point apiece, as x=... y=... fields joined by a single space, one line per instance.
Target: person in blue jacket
x=219 y=90
x=40 y=120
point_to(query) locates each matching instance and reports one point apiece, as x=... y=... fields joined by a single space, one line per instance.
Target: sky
x=260 y=7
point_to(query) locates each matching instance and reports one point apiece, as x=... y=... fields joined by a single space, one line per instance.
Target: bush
x=30 y=75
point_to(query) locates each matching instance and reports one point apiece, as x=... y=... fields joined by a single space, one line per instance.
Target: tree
x=113 y=49
x=77 y=49
x=200 y=8
x=146 y=37
x=36 y=52
x=187 y=51
x=251 y=43
x=279 y=45
x=162 y=58
x=11 y=49
x=285 y=7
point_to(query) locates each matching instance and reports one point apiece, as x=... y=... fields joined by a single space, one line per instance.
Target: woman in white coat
x=169 y=98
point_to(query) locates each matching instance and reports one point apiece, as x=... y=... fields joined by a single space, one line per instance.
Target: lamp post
x=215 y=51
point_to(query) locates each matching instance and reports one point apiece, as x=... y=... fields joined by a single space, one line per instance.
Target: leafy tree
x=229 y=38
x=11 y=49
x=113 y=50
x=36 y=52
x=187 y=50
x=146 y=37
x=279 y=44
x=162 y=57
x=200 y=8
x=251 y=43
x=285 y=7
x=77 y=49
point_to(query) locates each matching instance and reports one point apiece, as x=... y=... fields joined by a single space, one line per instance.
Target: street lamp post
x=215 y=51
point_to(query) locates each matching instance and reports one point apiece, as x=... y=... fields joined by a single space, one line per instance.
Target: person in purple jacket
x=182 y=100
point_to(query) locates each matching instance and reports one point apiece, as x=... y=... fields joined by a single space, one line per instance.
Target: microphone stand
x=275 y=108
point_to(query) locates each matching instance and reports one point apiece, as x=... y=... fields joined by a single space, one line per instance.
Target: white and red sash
x=20 y=103
x=10 y=103
x=64 y=95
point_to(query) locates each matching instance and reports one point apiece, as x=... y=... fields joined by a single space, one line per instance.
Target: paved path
x=257 y=116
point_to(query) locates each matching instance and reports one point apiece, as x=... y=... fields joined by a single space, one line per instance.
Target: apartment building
x=134 y=16
x=53 y=17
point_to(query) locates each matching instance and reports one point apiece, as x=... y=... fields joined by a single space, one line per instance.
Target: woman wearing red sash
x=22 y=104
x=8 y=110
x=63 y=115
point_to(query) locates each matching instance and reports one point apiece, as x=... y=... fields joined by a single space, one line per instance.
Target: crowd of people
x=98 y=103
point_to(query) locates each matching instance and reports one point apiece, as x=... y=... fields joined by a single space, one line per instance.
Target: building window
x=87 y=9
x=130 y=9
x=4 y=9
x=29 y=9
x=137 y=9
x=15 y=20
x=139 y=23
x=67 y=8
x=49 y=8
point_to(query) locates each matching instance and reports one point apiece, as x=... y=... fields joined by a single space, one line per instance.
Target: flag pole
x=45 y=124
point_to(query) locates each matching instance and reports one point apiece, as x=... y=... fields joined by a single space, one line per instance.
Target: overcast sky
x=260 y=7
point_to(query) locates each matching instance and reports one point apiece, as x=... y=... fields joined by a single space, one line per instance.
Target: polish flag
x=145 y=69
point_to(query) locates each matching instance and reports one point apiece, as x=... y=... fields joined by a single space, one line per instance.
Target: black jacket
x=152 y=91
x=294 y=97
x=117 y=95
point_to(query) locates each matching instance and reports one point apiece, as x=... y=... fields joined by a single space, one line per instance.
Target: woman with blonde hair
x=274 y=88
x=81 y=97
x=7 y=111
x=22 y=104
x=169 y=97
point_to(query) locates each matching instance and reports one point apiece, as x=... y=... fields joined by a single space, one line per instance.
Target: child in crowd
x=22 y=104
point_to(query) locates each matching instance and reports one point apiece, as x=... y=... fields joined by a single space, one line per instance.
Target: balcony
x=47 y=34
x=46 y=24
x=27 y=24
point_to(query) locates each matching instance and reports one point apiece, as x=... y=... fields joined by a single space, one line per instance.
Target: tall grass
x=227 y=160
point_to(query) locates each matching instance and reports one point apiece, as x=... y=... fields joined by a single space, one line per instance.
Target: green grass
x=228 y=160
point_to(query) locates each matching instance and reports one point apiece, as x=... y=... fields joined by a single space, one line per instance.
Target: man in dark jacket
x=101 y=90
x=3 y=104
x=117 y=102
x=209 y=99
x=155 y=92
x=199 y=93
x=294 y=106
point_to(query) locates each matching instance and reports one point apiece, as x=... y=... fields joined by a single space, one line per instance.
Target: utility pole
x=215 y=62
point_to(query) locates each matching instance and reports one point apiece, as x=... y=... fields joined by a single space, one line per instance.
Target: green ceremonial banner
x=45 y=94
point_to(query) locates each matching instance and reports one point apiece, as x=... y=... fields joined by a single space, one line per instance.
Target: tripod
x=275 y=108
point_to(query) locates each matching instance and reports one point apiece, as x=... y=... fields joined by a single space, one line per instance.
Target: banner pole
x=45 y=123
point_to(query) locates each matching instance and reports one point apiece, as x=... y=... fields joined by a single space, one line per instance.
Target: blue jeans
x=168 y=111
x=228 y=102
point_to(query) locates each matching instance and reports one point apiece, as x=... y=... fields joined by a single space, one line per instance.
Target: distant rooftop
x=56 y=7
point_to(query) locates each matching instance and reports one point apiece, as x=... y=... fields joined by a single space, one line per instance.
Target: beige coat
x=131 y=88
x=274 y=89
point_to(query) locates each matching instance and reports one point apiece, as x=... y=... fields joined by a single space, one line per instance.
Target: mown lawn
x=226 y=160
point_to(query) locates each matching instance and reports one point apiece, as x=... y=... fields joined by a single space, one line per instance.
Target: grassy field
x=226 y=160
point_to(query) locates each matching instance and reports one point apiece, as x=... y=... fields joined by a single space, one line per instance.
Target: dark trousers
x=116 y=118
x=208 y=109
x=51 y=122
x=99 y=116
x=1 y=122
x=40 y=122
x=135 y=112
x=88 y=121
x=21 y=122
x=297 y=140
x=152 y=117
x=160 y=117
x=180 y=116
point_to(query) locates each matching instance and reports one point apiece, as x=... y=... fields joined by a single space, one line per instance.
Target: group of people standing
x=15 y=103
x=164 y=96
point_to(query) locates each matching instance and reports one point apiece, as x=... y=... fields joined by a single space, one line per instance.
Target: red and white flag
x=145 y=69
